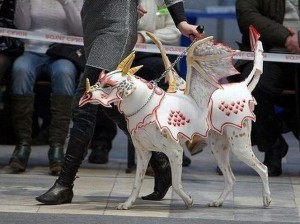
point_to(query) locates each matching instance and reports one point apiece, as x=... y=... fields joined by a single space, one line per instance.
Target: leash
x=200 y=29
x=154 y=82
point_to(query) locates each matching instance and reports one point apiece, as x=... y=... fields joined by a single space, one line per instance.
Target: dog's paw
x=216 y=203
x=123 y=206
x=189 y=202
x=267 y=200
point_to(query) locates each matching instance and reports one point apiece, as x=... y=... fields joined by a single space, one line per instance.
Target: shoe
x=196 y=146
x=56 y=195
x=155 y=196
x=186 y=161
x=162 y=177
x=162 y=185
x=99 y=155
x=56 y=158
x=19 y=159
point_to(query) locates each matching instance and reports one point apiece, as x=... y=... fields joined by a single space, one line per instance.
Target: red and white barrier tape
x=151 y=48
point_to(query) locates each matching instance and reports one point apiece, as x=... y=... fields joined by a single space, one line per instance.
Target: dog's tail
x=257 y=70
x=167 y=63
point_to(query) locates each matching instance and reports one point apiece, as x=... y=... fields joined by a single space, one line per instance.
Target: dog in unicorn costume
x=164 y=120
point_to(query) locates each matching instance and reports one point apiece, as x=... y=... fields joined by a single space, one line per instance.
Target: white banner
x=175 y=50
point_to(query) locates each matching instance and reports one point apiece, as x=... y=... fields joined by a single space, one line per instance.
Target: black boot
x=99 y=154
x=162 y=176
x=273 y=162
x=62 y=191
x=56 y=195
x=56 y=158
x=274 y=155
x=19 y=159
x=22 y=110
x=61 y=106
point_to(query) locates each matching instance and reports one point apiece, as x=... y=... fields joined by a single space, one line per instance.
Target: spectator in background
x=52 y=16
x=10 y=48
x=278 y=23
x=7 y=9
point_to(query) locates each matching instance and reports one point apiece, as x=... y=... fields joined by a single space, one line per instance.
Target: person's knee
x=22 y=67
x=65 y=67
x=22 y=78
x=63 y=77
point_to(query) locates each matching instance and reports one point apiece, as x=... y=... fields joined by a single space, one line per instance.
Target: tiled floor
x=101 y=187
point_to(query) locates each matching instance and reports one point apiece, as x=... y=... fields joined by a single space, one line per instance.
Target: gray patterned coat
x=110 y=30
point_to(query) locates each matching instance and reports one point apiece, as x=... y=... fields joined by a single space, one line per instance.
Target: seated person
x=7 y=56
x=7 y=9
x=54 y=16
x=278 y=34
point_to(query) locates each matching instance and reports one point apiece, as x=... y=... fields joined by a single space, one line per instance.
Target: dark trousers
x=105 y=130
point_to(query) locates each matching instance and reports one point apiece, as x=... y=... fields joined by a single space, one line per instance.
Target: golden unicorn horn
x=87 y=85
x=125 y=65
x=134 y=70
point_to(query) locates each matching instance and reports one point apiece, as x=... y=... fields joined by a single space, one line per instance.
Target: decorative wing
x=211 y=60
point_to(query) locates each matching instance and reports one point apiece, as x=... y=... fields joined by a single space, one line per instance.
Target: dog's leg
x=143 y=157
x=174 y=153
x=220 y=148
x=241 y=147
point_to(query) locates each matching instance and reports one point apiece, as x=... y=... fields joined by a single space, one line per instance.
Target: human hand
x=141 y=11
x=140 y=39
x=292 y=42
x=190 y=31
x=63 y=2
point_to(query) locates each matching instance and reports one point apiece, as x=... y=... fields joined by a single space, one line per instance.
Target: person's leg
x=80 y=134
x=101 y=144
x=106 y=44
x=162 y=176
x=84 y=119
x=63 y=74
x=23 y=75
